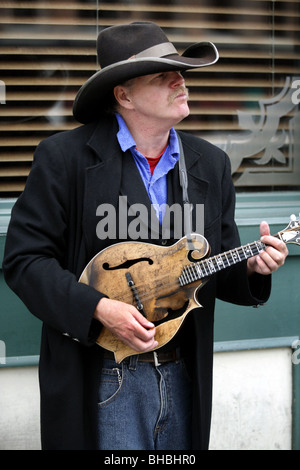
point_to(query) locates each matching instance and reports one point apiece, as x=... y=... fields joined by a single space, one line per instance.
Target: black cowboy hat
x=129 y=51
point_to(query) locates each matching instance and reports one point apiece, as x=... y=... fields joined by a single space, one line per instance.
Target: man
x=149 y=401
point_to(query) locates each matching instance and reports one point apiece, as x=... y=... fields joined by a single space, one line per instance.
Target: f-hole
x=127 y=264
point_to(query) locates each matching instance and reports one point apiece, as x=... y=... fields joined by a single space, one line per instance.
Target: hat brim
x=92 y=97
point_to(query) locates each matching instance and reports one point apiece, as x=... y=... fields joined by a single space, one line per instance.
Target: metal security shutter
x=48 y=51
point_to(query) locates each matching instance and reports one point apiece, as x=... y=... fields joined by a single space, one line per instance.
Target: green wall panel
x=18 y=328
x=280 y=316
x=270 y=324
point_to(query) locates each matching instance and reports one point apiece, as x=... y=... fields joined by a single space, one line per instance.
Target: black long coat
x=51 y=238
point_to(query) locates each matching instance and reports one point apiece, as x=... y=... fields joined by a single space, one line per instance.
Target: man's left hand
x=269 y=260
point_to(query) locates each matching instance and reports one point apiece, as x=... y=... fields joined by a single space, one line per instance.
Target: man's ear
x=122 y=96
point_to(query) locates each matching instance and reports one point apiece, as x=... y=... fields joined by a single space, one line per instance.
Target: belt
x=152 y=357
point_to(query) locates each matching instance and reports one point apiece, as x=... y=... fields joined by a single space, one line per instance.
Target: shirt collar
x=127 y=142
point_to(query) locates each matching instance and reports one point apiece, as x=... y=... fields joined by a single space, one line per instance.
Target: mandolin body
x=162 y=282
x=155 y=272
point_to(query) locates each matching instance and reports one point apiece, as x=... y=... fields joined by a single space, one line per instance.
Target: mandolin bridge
x=135 y=294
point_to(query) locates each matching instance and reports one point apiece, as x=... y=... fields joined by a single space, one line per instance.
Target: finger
x=144 y=334
x=143 y=346
x=141 y=319
x=261 y=266
x=127 y=323
x=264 y=228
x=270 y=264
x=274 y=242
x=273 y=258
x=139 y=338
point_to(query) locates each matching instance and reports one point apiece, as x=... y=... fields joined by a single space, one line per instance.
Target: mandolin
x=162 y=282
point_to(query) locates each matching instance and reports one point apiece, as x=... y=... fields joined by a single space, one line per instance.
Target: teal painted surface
x=278 y=318
x=19 y=330
x=296 y=407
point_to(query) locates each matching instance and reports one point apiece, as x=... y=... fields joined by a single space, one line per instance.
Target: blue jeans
x=144 y=407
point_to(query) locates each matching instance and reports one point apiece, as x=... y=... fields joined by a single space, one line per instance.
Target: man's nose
x=177 y=80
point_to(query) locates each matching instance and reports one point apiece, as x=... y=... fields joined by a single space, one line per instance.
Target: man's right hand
x=127 y=323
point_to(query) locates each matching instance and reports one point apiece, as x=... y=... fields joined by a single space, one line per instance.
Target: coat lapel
x=102 y=181
x=197 y=186
x=132 y=185
x=114 y=174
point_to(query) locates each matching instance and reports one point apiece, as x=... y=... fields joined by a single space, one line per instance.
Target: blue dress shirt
x=156 y=185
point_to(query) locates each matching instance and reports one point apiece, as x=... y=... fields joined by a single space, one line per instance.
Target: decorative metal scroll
x=267 y=152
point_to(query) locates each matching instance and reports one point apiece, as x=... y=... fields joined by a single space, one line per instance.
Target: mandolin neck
x=207 y=267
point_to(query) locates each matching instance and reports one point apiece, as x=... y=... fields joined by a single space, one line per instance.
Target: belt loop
x=133 y=362
x=157 y=364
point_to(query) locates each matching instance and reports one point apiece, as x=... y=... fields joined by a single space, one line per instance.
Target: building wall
x=257 y=352
x=252 y=402
x=247 y=104
x=19 y=409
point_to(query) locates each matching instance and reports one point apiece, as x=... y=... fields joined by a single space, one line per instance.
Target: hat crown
x=118 y=43
x=129 y=51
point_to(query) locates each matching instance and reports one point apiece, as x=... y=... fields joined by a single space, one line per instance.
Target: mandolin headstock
x=291 y=234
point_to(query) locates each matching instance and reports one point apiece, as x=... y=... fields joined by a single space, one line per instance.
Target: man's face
x=160 y=97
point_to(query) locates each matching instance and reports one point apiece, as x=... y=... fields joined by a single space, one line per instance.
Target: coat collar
x=104 y=183
x=103 y=139
x=197 y=186
x=106 y=176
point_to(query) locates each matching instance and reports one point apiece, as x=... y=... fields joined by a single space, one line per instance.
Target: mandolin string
x=243 y=252
x=165 y=289
x=157 y=291
x=161 y=290
x=204 y=266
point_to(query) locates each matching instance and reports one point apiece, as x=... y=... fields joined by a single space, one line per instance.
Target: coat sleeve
x=233 y=284
x=34 y=263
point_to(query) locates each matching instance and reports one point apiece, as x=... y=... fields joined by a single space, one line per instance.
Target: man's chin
x=184 y=112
